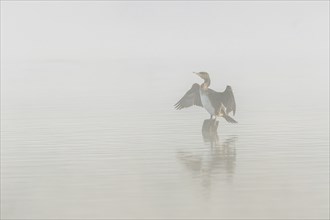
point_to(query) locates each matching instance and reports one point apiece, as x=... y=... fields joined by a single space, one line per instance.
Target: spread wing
x=225 y=98
x=192 y=97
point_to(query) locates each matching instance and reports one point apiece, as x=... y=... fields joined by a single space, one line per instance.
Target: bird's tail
x=229 y=119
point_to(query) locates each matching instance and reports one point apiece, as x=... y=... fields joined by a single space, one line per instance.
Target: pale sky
x=157 y=30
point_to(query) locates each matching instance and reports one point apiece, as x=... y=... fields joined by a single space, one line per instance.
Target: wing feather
x=225 y=98
x=229 y=100
x=192 y=97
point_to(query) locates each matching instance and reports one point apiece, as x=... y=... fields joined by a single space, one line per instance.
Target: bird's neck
x=206 y=84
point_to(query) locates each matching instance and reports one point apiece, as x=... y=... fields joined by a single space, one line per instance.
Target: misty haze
x=89 y=121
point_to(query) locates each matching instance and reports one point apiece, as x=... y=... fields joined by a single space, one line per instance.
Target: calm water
x=82 y=143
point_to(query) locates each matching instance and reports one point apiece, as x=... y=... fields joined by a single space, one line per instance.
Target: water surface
x=120 y=150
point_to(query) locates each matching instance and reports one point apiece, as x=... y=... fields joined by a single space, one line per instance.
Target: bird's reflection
x=209 y=131
x=215 y=160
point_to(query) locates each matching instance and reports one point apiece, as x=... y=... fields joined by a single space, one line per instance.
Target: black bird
x=218 y=104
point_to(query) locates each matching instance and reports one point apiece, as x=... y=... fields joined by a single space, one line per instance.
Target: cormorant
x=217 y=104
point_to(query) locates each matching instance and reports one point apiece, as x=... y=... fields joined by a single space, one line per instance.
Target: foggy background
x=88 y=125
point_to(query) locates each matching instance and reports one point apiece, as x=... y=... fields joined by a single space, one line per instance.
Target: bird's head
x=203 y=75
